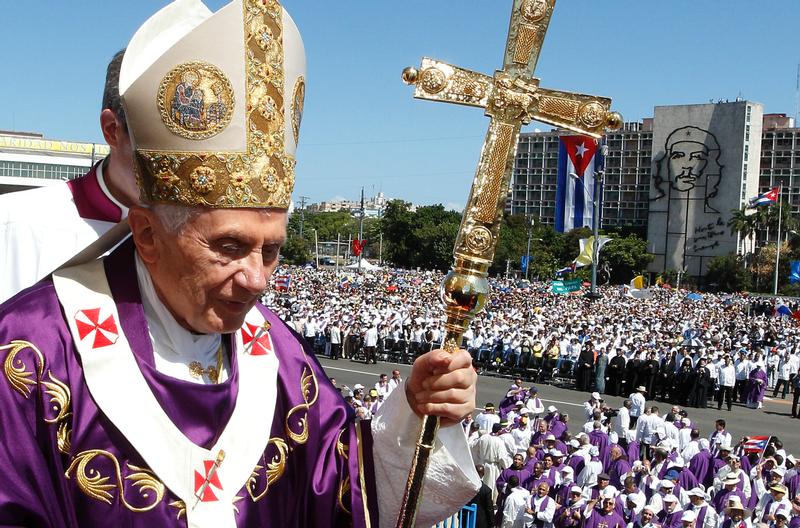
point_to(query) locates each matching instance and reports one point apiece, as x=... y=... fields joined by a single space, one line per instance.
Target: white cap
x=524 y=411
x=358 y=386
x=609 y=492
x=555 y=453
x=576 y=489
x=550 y=438
x=574 y=443
x=666 y=484
x=697 y=492
x=596 y=396
x=689 y=515
x=669 y=497
x=552 y=409
x=778 y=470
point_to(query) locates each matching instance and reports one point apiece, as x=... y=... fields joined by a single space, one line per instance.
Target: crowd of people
x=722 y=348
x=619 y=469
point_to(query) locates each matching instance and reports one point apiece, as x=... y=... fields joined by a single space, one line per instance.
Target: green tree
x=296 y=250
x=626 y=257
x=726 y=273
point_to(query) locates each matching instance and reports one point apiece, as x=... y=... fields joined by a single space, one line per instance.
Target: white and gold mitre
x=214 y=103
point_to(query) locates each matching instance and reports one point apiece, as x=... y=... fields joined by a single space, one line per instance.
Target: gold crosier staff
x=511 y=98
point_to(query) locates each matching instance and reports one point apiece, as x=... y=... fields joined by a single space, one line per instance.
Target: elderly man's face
x=647 y=516
x=542 y=489
x=687 y=161
x=211 y=273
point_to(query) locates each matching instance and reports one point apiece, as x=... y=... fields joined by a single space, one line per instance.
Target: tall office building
x=650 y=184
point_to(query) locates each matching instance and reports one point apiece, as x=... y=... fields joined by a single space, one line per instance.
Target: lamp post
x=596 y=199
x=528 y=252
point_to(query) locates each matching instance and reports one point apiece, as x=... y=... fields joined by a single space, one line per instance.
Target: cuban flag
x=578 y=159
x=282 y=282
x=768 y=198
x=756 y=444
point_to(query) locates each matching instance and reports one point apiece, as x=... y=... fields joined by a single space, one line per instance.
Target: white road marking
x=350 y=370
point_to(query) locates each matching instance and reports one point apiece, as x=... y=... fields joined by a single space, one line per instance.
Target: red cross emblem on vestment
x=204 y=482
x=89 y=324
x=258 y=338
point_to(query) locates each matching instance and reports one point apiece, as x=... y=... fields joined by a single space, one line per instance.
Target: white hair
x=174 y=217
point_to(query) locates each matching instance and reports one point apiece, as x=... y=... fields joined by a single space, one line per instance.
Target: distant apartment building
x=780 y=158
x=373 y=207
x=29 y=160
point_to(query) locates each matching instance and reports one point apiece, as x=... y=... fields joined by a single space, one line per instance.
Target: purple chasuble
x=757 y=384
x=720 y=500
x=49 y=440
x=700 y=465
x=616 y=469
x=599 y=519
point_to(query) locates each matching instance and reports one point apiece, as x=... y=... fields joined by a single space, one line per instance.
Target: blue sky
x=361 y=125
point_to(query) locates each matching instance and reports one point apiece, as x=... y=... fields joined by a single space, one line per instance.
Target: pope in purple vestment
x=67 y=465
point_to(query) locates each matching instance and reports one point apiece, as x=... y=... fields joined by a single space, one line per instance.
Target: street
x=774 y=419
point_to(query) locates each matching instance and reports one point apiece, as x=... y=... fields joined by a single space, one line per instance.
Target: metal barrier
x=465 y=518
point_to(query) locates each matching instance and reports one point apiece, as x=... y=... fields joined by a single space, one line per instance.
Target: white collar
x=174 y=347
x=101 y=181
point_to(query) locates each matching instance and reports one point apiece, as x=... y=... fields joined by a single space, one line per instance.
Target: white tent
x=365 y=265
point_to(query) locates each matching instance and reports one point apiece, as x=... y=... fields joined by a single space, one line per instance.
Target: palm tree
x=745 y=225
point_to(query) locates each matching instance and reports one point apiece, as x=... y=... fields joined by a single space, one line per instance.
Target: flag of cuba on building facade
x=578 y=159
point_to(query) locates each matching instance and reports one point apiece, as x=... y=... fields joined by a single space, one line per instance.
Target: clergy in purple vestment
x=757 y=386
x=517 y=469
x=687 y=480
x=633 y=450
x=559 y=426
x=702 y=468
x=516 y=394
x=150 y=388
x=670 y=514
x=568 y=514
x=603 y=517
x=720 y=499
x=600 y=439
x=619 y=465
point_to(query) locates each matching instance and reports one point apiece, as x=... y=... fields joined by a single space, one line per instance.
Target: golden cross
x=511 y=98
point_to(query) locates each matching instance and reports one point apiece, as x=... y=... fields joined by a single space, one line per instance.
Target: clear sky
x=361 y=125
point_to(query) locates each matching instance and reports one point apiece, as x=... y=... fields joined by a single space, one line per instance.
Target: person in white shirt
x=693 y=446
x=719 y=437
x=770 y=503
x=726 y=377
x=621 y=423
x=514 y=504
x=370 y=345
x=394 y=381
x=706 y=516
x=743 y=367
x=594 y=403
x=638 y=404
x=335 y=335
x=382 y=386
x=534 y=403
x=487 y=419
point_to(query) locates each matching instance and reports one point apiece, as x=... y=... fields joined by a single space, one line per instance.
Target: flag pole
x=778 y=252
